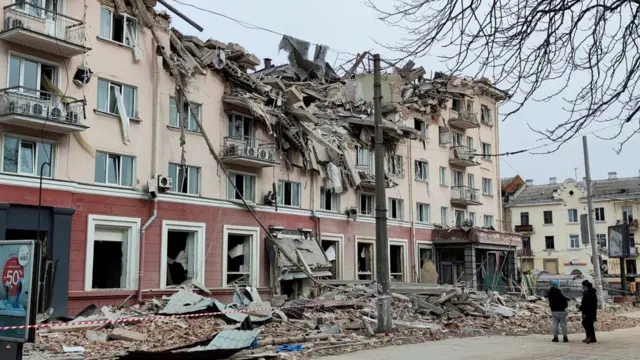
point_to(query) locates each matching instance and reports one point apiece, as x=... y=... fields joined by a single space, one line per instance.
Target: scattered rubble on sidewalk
x=341 y=320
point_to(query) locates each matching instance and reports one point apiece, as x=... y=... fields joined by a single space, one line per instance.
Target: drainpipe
x=496 y=127
x=156 y=118
x=143 y=230
x=412 y=208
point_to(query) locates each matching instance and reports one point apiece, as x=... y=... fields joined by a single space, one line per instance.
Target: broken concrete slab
x=127 y=335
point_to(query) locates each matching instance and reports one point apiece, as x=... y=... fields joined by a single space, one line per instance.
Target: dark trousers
x=589 y=328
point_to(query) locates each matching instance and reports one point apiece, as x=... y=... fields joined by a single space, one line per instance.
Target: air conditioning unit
x=263 y=154
x=164 y=183
x=56 y=113
x=72 y=117
x=12 y=22
x=232 y=150
x=352 y=212
x=251 y=151
x=37 y=109
x=270 y=198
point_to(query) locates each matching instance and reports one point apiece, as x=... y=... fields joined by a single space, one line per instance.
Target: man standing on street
x=558 y=304
x=589 y=309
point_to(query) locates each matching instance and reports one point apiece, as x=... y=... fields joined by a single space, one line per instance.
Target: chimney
x=612 y=175
x=267 y=63
x=552 y=180
x=529 y=181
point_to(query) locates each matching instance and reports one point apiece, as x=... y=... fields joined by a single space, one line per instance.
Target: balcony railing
x=525 y=252
x=44 y=29
x=462 y=156
x=464 y=120
x=33 y=108
x=524 y=228
x=464 y=195
x=249 y=151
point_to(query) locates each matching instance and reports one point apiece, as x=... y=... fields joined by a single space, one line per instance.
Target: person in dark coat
x=589 y=310
x=558 y=304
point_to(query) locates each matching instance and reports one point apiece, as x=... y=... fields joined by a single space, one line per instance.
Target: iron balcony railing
x=21 y=14
x=525 y=252
x=464 y=193
x=462 y=152
x=248 y=147
x=23 y=101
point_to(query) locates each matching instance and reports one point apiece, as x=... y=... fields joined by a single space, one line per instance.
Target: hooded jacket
x=557 y=300
x=589 y=305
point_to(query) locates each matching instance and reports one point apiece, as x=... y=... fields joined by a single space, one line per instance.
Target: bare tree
x=584 y=51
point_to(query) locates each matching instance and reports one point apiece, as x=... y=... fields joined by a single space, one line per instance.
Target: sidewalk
x=616 y=345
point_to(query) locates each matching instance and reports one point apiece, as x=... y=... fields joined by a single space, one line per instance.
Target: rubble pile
x=341 y=320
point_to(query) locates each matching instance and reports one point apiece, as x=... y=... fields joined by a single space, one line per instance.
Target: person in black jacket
x=558 y=304
x=589 y=309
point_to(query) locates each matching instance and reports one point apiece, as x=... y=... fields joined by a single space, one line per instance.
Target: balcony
x=464 y=196
x=464 y=120
x=524 y=253
x=43 y=30
x=249 y=152
x=41 y=110
x=367 y=176
x=523 y=228
x=462 y=156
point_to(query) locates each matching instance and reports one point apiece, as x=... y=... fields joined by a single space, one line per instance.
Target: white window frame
x=598 y=238
x=41 y=3
x=136 y=33
x=106 y=173
x=373 y=203
x=421 y=244
x=133 y=243
x=338 y=239
x=490 y=222
x=53 y=155
x=400 y=205
x=426 y=210
x=576 y=218
x=487 y=186
x=335 y=200
x=442 y=173
x=254 y=232
x=599 y=214
x=486 y=151
x=115 y=84
x=372 y=242
x=470 y=143
x=424 y=129
x=485 y=111
x=456 y=212
x=423 y=167
x=444 y=215
x=198 y=256
x=395 y=165
x=175 y=179
x=405 y=254
x=281 y=193
x=179 y=122
x=457 y=178
x=40 y=62
x=361 y=153
x=571 y=238
x=243 y=174
x=472 y=217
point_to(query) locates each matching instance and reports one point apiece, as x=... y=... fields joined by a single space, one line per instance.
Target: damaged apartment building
x=153 y=166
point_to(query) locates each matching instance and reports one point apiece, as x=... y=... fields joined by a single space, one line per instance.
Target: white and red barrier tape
x=159 y=317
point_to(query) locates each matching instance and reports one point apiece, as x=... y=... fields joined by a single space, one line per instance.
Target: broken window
x=485 y=115
x=365 y=204
x=427 y=272
x=365 y=261
x=459 y=217
x=395 y=165
x=184 y=179
x=110 y=253
x=181 y=256
x=422 y=127
x=114 y=169
x=288 y=193
x=396 y=259
x=331 y=249
x=329 y=200
x=486 y=151
x=472 y=218
x=112 y=96
x=238 y=259
x=32 y=77
x=190 y=111
x=245 y=185
x=627 y=215
x=240 y=127
x=363 y=157
x=26 y=157
x=456 y=104
x=120 y=28
x=602 y=240
x=396 y=208
x=457 y=178
x=457 y=139
x=422 y=170
x=423 y=212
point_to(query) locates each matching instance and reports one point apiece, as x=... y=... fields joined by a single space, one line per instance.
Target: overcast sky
x=349 y=26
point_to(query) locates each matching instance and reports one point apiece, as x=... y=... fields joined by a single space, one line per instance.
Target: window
x=443 y=176
x=120 y=28
x=333 y=247
x=182 y=252
x=288 y=193
x=456 y=104
x=365 y=204
x=485 y=115
x=185 y=179
x=190 y=110
x=422 y=170
x=471 y=181
x=549 y=243
x=472 y=217
x=486 y=151
x=600 y=214
x=240 y=127
x=526 y=243
x=631 y=266
x=572 y=215
x=423 y=213
x=396 y=208
x=470 y=144
x=245 y=185
x=574 y=241
x=329 y=200
x=112 y=253
x=114 y=98
x=457 y=178
x=457 y=139
x=425 y=254
x=33 y=7
x=32 y=77
x=458 y=217
x=524 y=218
x=602 y=240
x=422 y=127
x=488 y=221
x=240 y=264
x=443 y=215
x=397 y=260
x=395 y=165
x=26 y=157
x=363 y=156
x=627 y=215
x=548 y=217
x=487 y=186
x=114 y=169
x=366 y=260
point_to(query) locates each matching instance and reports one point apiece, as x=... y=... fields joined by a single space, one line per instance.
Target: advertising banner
x=18 y=266
x=619 y=246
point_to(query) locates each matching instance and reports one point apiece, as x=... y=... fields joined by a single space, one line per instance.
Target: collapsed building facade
x=133 y=203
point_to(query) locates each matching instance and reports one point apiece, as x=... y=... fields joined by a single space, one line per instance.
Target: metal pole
x=592 y=224
x=382 y=241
